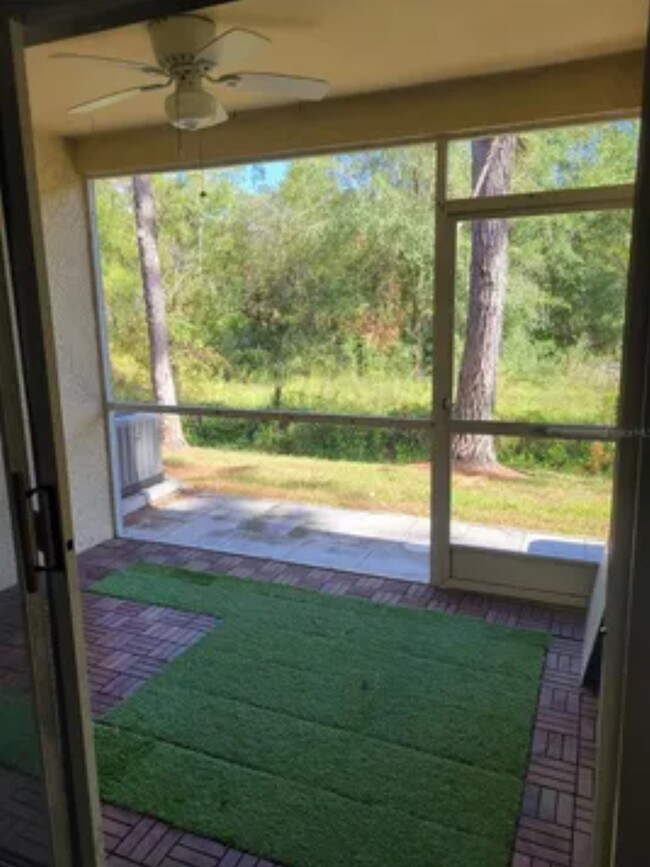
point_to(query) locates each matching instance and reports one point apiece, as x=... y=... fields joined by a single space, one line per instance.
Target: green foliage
x=380 y=445
x=382 y=395
x=587 y=457
x=335 y=442
x=309 y=286
x=569 y=157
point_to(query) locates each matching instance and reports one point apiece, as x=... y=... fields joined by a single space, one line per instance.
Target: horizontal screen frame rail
x=279 y=415
x=554 y=202
x=532 y=430
x=538 y=430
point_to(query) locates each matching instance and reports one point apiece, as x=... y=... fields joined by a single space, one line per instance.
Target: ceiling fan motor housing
x=177 y=40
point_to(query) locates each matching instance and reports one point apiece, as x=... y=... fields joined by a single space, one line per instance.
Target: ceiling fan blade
x=112 y=98
x=233 y=46
x=283 y=85
x=148 y=68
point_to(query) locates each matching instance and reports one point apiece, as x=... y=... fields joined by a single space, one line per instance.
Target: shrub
x=334 y=442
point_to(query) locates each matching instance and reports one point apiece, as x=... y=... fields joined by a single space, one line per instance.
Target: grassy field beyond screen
x=327 y=732
x=563 y=503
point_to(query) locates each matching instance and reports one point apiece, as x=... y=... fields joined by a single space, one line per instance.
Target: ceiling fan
x=189 y=54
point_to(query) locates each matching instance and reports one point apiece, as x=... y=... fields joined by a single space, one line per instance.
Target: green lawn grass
x=327 y=732
x=566 y=500
x=571 y=393
x=570 y=504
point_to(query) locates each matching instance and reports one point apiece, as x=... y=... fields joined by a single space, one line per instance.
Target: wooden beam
x=607 y=87
x=46 y=23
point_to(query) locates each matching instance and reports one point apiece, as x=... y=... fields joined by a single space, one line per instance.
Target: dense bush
x=589 y=457
x=335 y=442
x=379 y=445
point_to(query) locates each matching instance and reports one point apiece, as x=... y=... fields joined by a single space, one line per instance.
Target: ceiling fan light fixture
x=191 y=108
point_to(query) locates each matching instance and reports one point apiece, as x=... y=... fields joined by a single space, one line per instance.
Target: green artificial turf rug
x=322 y=731
x=19 y=743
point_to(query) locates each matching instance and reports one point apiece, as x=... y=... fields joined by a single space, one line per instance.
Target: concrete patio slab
x=390 y=545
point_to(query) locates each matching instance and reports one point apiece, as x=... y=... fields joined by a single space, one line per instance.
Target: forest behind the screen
x=308 y=285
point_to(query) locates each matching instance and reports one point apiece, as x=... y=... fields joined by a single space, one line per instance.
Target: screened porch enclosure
x=318 y=387
x=313 y=425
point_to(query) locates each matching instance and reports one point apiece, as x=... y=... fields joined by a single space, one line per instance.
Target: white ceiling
x=358 y=45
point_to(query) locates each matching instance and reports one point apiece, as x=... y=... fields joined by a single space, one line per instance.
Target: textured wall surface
x=69 y=265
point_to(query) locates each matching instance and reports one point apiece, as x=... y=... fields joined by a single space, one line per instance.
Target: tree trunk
x=162 y=377
x=492 y=164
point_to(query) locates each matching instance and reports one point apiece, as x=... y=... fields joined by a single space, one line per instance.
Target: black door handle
x=47 y=527
x=24 y=531
x=37 y=529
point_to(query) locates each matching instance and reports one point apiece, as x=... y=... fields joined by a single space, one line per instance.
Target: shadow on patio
x=389 y=545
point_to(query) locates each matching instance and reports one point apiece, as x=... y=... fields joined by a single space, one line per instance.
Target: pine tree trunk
x=162 y=377
x=492 y=164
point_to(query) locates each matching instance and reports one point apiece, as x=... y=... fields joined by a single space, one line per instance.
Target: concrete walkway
x=376 y=543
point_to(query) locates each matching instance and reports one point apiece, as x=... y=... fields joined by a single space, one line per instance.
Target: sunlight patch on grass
x=563 y=503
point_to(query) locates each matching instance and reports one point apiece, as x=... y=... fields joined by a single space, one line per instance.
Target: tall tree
x=492 y=165
x=162 y=376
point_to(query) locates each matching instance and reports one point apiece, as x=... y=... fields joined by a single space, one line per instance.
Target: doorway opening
x=301 y=343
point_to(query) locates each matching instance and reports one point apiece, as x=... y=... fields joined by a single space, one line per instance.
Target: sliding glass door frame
x=18 y=469
x=33 y=441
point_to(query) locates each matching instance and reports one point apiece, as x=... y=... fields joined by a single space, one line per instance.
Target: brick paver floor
x=129 y=642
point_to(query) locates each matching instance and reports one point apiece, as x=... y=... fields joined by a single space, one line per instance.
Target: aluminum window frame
x=449 y=214
x=439 y=423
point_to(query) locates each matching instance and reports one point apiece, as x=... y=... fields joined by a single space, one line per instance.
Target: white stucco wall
x=69 y=264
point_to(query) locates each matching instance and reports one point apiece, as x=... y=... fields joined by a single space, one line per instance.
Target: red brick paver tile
x=128 y=643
